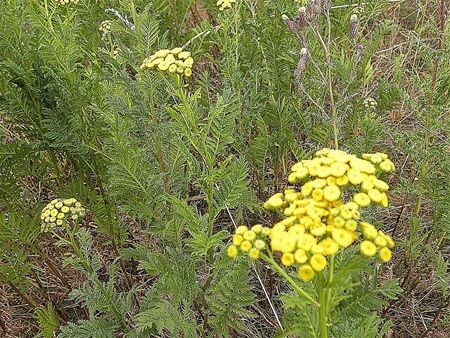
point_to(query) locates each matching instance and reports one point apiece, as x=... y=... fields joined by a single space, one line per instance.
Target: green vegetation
x=137 y=136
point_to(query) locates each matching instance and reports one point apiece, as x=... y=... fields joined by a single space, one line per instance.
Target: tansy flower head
x=105 y=27
x=174 y=61
x=59 y=211
x=369 y=103
x=224 y=4
x=66 y=2
x=321 y=218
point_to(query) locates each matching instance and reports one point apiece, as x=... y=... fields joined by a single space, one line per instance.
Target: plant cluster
x=128 y=170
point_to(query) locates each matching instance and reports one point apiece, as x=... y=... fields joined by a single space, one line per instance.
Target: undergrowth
x=168 y=162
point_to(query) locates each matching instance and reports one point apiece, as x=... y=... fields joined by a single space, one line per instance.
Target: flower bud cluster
x=105 y=27
x=370 y=103
x=319 y=222
x=59 y=211
x=175 y=61
x=224 y=4
x=248 y=240
x=376 y=242
x=66 y=2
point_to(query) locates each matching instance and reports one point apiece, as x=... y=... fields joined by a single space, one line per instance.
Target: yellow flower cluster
x=66 y=2
x=319 y=220
x=175 y=61
x=105 y=27
x=223 y=4
x=249 y=240
x=370 y=103
x=59 y=211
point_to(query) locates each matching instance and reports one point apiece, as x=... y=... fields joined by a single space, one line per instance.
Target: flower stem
x=322 y=308
x=330 y=280
x=291 y=281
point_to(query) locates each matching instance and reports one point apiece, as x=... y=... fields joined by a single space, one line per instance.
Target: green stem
x=424 y=167
x=133 y=12
x=333 y=107
x=158 y=146
x=330 y=280
x=47 y=14
x=291 y=281
x=322 y=308
x=327 y=52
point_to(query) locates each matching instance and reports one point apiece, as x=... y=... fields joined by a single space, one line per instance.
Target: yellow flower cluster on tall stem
x=321 y=217
x=60 y=211
x=173 y=61
x=225 y=4
x=319 y=221
x=66 y=2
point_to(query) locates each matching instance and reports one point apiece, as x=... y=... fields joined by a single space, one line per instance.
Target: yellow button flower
x=189 y=62
x=306 y=272
x=300 y=256
x=323 y=172
x=241 y=229
x=176 y=51
x=306 y=242
x=266 y=231
x=343 y=237
x=307 y=188
x=260 y=244
x=381 y=185
x=249 y=235
x=329 y=245
x=375 y=195
x=287 y=259
x=368 y=248
x=188 y=72
x=362 y=199
x=317 y=194
x=164 y=66
x=342 y=180
x=172 y=68
x=351 y=225
x=237 y=240
x=257 y=228
x=338 y=169
x=184 y=55
x=318 y=229
x=253 y=253
x=366 y=185
x=384 y=200
x=362 y=165
x=354 y=176
x=318 y=262
x=385 y=254
x=370 y=233
x=232 y=251
x=331 y=193
x=246 y=246
x=380 y=242
x=169 y=58
x=319 y=183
